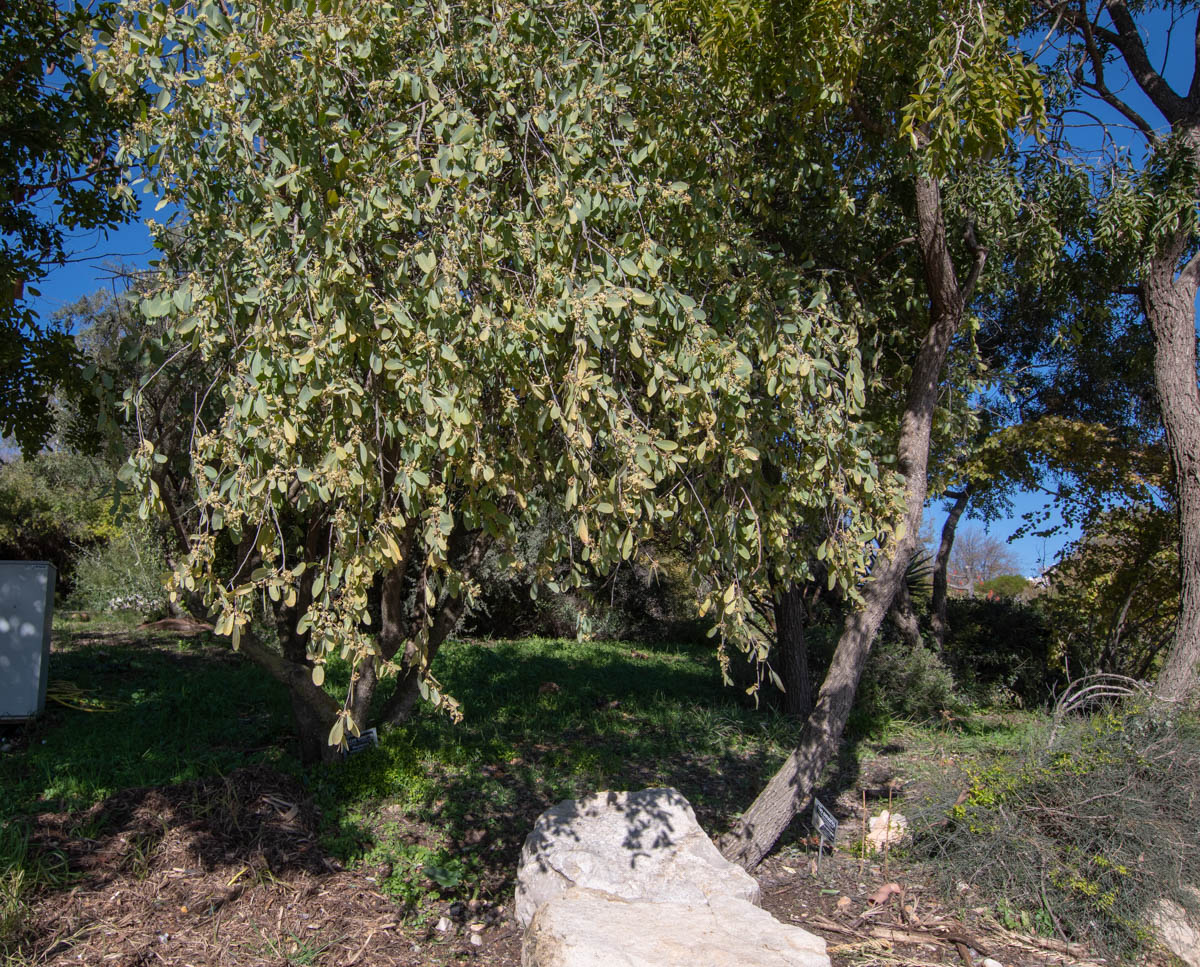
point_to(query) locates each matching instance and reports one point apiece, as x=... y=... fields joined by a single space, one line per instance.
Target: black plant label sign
x=824 y=822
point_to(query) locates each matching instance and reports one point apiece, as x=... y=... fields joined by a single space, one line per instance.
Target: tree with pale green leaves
x=433 y=259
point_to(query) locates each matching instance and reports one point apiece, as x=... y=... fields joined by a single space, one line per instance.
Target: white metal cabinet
x=26 y=610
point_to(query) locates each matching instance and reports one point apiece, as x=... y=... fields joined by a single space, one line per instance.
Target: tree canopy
x=58 y=175
x=506 y=264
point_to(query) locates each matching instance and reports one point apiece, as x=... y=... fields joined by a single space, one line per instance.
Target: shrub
x=1083 y=837
x=52 y=506
x=1004 y=586
x=125 y=573
x=999 y=651
x=904 y=682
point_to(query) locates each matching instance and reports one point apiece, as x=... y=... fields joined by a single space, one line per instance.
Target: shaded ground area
x=171 y=826
x=228 y=871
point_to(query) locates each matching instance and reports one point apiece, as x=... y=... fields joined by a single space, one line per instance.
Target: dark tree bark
x=904 y=618
x=941 y=567
x=792 y=649
x=790 y=789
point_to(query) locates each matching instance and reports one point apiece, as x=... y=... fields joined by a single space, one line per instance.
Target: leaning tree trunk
x=789 y=790
x=1170 y=305
x=792 y=650
x=941 y=565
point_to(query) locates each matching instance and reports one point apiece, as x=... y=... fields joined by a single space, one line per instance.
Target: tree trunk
x=313 y=708
x=469 y=548
x=941 y=565
x=403 y=700
x=312 y=730
x=1170 y=305
x=904 y=618
x=362 y=691
x=792 y=650
x=789 y=790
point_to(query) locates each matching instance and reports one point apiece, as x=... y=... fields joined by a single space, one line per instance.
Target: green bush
x=904 y=682
x=1079 y=839
x=52 y=507
x=125 y=573
x=1004 y=586
x=999 y=651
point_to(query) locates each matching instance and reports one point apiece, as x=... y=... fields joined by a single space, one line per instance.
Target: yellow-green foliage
x=1087 y=834
x=441 y=257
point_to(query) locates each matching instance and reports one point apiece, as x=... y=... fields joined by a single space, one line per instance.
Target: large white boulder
x=586 y=928
x=643 y=845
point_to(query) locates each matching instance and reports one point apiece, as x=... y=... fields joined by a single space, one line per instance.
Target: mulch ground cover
x=228 y=871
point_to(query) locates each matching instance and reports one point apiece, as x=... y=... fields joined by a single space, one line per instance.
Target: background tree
x=52 y=506
x=927 y=108
x=1147 y=220
x=1083 y=469
x=1113 y=600
x=58 y=174
x=979 y=556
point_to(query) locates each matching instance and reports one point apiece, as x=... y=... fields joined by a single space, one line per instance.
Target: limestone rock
x=1177 y=931
x=643 y=845
x=585 y=928
x=886 y=828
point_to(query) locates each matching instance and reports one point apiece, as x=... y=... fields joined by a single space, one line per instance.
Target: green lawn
x=438 y=805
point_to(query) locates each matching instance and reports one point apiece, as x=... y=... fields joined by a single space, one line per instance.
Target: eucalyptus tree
x=431 y=259
x=930 y=91
x=1146 y=198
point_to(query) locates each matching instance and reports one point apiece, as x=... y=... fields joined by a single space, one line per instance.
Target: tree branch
x=1189 y=275
x=296 y=677
x=1129 y=42
x=1193 y=94
x=1099 y=87
x=979 y=254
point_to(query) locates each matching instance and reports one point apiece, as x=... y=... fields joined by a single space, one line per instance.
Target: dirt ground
x=229 y=872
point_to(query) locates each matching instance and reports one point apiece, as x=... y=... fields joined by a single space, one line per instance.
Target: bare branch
x=1129 y=42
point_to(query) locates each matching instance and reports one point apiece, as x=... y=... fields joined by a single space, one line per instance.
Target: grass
x=155 y=710
x=443 y=808
x=437 y=810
